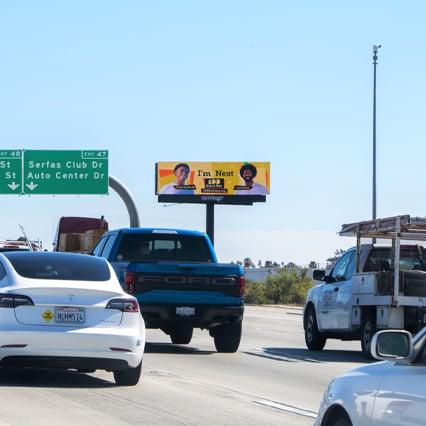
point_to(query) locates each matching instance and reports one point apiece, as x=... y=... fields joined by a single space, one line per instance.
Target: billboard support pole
x=210 y=221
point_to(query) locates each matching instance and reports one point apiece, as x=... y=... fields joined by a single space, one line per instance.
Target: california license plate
x=70 y=315
x=185 y=311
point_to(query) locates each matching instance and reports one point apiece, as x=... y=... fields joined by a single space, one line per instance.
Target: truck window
x=153 y=247
x=344 y=267
x=104 y=244
x=411 y=258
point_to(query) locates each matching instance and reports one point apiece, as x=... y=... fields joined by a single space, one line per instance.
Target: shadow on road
x=45 y=378
x=169 y=348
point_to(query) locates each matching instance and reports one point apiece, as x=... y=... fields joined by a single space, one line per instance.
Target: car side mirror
x=392 y=344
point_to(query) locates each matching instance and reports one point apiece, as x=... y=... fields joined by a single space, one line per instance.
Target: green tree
x=248 y=263
x=285 y=287
x=336 y=256
x=255 y=292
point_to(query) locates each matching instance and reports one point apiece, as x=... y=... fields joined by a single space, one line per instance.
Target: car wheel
x=128 y=377
x=315 y=341
x=181 y=336
x=227 y=337
x=341 y=421
x=367 y=331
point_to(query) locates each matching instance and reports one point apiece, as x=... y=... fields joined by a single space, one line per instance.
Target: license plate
x=70 y=315
x=185 y=311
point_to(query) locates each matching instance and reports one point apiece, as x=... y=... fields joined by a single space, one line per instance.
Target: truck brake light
x=241 y=285
x=129 y=282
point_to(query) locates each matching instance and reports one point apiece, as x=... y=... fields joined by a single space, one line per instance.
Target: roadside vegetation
x=289 y=286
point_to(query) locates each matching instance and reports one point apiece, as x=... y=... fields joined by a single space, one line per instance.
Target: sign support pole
x=210 y=221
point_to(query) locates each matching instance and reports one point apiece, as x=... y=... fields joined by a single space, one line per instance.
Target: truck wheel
x=367 y=331
x=128 y=377
x=315 y=341
x=227 y=337
x=181 y=336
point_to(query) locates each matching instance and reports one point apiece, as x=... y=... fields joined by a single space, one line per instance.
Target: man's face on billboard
x=247 y=175
x=181 y=173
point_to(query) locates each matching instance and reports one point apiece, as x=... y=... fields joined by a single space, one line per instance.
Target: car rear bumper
x=204 y=316
x=73 y=346
x=63 y=362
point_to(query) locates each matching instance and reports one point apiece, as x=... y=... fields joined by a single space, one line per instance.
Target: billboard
x=247 y=179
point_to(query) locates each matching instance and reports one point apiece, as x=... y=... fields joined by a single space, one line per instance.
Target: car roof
x=158 y=231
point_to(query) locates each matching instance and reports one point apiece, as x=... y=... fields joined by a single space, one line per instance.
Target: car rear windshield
x=59 y=266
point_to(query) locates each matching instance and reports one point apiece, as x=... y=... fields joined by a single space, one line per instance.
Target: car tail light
x=124 y=305
x=241 y=285
x=14 y=300
x=129 y=282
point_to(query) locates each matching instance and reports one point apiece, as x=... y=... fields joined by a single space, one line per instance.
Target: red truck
x=78 y=234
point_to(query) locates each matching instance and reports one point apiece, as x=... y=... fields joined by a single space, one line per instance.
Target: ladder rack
x=404 y=227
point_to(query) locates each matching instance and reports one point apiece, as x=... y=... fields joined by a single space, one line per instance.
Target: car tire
x=315 y=341
x=340 y=421
x=129 y=376
x=367 y=331
x=181 y=336
x=227 y=337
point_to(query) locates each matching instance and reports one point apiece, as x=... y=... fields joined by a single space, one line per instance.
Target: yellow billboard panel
x=203 y=178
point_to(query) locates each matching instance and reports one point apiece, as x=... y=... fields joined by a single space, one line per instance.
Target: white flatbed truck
x=371 y=286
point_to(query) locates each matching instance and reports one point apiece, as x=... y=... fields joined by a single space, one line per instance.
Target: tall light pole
x=375 y=48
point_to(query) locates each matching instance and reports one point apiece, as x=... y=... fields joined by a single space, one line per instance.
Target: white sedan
x=391 y=392
x=68 y=311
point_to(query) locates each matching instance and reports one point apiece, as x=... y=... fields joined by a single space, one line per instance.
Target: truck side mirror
x=318 y=274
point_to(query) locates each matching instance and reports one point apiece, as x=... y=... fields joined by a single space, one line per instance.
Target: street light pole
x=375 y=48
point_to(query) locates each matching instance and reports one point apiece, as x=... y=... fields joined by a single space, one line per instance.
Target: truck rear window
x=164 y=247
x=411 y=258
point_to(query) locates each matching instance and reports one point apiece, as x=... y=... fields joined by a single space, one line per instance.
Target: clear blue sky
x=176 y=80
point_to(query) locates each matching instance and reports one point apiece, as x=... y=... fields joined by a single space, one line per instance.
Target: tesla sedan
x=68 y=311
x=391 y=392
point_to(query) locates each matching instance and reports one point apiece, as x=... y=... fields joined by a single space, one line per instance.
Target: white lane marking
x=289 y=408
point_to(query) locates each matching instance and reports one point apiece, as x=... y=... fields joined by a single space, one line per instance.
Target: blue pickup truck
x=179 y=283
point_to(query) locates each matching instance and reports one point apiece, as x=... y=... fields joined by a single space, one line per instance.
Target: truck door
x=337 y=294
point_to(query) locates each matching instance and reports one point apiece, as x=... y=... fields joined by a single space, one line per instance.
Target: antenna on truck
x=26 y=238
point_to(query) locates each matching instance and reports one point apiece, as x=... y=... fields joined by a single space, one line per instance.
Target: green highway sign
x=53 y=172
x=11 y=171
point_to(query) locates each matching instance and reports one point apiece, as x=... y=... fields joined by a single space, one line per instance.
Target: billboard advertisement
x=247 y=179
